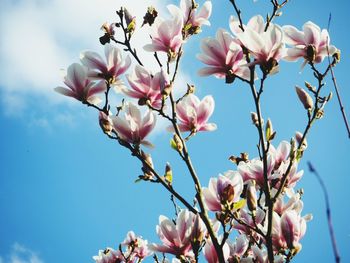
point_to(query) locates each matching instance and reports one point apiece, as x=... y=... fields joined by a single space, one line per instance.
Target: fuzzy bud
x=105 y=122
x=305 y=98
x=178 y=143
x=269 y=132
x=190 y=89
x=298 y=138
x=168 y=176
x=255 y=118
x=251 y=197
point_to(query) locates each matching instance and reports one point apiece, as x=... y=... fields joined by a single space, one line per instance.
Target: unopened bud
x=320 y=114
x=269 y=132
x=309 y=87
x=130 y=21
x=298 y=138
x=105 y=122
x=305 y=98
x=190 y=89
x=292 y=153
x=168 y=176
x=337 y=56
x=251 y=197
x=178 y=142
x=147 y=174
x=255 y=118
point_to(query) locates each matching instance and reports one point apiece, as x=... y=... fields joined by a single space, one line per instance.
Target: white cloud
x=39 y=37
x=21 y=254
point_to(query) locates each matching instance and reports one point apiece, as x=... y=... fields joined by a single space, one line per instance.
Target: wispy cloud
x=21 y=254
x=39 y=37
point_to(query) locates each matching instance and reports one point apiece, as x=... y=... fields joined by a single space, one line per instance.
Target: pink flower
x=256 y=23
x=137 y=246
x=109 y=255
x=224 y=57
x=79 y=86
x=194 y=19
x=310 y=44
x=267 y=47
x=166 y=36
x=224 y=190
x=131 y=127
x=146 y=87
x=210 y=252
x=109 y=70
x=254 y=170
x=176 y=238
x=246 y=217
x=239 y=247
x=193 y=114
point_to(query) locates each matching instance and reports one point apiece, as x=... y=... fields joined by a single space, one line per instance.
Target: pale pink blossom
x=133 y=128
x=109 y=70
x=310 y=44
x=223 y=56
x=246 y=217
x=177 y=237
x=256 y=23
x=210 y=252
x=166 y=36
x=109 y=255
x=288 y=229
x=239 y=247
x=259 y=255
x=194 y=114
x=80 y=86
x=266 y=47
x=254 y=170
x=224 y=190
x=194 y=18
x=146 y=87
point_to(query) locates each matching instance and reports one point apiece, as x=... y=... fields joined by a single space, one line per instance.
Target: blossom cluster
x=258 y=201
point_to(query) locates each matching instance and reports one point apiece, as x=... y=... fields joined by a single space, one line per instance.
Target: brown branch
x=238 y=12
x=328 y=212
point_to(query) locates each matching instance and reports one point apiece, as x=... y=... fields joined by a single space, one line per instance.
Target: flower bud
x=255 y=118
x=130 y=21
x=298 y=138
x=168 y=176
x=105 y=122
x=147 y=174
x=336 y=56
x=190 y=89
x=251 y=197
x=310 y=87
x=269 y=132
x=305 y=98
x=178 y=143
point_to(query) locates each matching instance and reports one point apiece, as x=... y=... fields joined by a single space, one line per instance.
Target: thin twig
x=239 y=13
x=334 y=80
x=328 y=212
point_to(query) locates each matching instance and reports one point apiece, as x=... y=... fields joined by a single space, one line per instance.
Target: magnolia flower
x=288 y=229
x=254 y=170
x=167 y=36
x=294 y=203
x=210 y=252
x=176 y=238
x=193 y=114
x=267 y=47
x=310 y=44
x=109 y=255
x=131 y=127
x=222 y=191
x=146 y=87
x=194 y=20
x=280 y=154
x=109 y=70
x=224 y=57
x=79 y=86
x=256 y=23
x=239 y=247
x=260 y=256
x=246 y=217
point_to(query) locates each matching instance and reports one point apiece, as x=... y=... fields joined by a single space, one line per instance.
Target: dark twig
x=238 y=12
x=334 y=80
x=328 y=212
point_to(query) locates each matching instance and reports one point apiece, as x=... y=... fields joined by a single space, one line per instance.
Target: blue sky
x=67 y=191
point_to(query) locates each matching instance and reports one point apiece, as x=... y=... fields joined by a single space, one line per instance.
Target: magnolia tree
x=251 y=214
